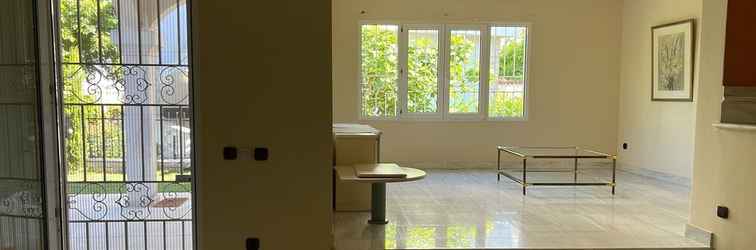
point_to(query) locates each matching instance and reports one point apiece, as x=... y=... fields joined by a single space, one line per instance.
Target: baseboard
x=505 y=164
x=449 y=164
x=699 y=235
x=665 y=177
x=509 y=164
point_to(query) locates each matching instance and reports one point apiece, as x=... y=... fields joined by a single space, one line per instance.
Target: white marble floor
x=468 y=209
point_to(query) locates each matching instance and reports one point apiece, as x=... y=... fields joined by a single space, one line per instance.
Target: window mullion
x=402 y=96
x=444 y=71
x=441 y=71
x=485 y=60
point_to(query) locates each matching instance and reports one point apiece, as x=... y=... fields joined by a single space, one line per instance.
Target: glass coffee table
x=570 y=153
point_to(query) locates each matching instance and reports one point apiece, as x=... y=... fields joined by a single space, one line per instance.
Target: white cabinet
x=354 y=144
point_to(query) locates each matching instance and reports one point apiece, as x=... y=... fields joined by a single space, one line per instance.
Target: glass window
x=437 y=71
x=464 y=71
x=507 y=72
x=379 y=73
x=422 y=71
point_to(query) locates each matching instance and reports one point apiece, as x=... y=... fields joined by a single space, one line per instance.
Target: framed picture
x=673 y=48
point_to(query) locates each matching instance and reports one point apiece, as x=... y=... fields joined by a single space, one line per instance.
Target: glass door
x=127 y=127
x=23 y=211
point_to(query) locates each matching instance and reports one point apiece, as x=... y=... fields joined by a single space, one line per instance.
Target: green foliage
x=380 y=75
x=464 y=76
x=506 y=106
x=512 y=61
x=379 y=71
x=511 y=70
x=422 y=78
x=80 y=43
x=79 y=31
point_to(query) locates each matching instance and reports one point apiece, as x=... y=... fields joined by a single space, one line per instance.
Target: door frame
x=51 y=113
x=48 y=122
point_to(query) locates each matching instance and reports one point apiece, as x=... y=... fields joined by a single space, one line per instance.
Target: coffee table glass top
x=553 y=152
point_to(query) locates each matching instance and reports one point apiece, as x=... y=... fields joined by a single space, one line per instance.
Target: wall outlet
x=252 y=244
x=624 y=146
x=723 y=212
x=230 y=153
x=262 y=154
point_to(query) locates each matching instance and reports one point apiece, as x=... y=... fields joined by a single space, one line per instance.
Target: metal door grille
x=127 y=123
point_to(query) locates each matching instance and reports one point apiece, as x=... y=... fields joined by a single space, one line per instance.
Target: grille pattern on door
x=127 y=123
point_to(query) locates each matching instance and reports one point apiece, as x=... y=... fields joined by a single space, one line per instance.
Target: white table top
x=347 y=130
x=347 y=173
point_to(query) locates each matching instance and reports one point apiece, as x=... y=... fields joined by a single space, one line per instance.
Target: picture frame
x=672 y=61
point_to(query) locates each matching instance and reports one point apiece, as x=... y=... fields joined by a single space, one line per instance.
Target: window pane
x=507 y=79
x=464 y=71
x=379 y=70
x=422 y=67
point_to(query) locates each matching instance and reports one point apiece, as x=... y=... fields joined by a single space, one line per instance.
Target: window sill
x=732 y=126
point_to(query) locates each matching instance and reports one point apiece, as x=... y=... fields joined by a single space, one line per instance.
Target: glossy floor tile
x=469 y=209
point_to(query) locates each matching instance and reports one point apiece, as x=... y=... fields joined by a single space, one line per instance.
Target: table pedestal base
x=378 y=204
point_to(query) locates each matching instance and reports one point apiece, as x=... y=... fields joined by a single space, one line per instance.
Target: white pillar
x=139 y=121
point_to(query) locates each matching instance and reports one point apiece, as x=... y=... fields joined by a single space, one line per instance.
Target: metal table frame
x=524 y=180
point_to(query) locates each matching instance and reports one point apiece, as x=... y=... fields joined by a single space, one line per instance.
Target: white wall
x=725 y=161
x=660 y=134
x=261 y=84
x=573 y=87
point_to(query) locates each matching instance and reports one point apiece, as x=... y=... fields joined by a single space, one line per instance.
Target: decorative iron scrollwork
x=176 y=211
x=127 y=84
x=168 y=80
x=135 y=201
x=93 y=208
x=127 y=201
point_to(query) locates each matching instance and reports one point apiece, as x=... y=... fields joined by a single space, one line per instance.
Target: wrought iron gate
x=127 y=123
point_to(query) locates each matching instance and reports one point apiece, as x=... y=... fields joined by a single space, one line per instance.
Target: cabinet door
x=740 y=48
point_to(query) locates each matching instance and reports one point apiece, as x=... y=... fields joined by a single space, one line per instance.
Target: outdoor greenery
x=118 y=187
x=80 y=44
x=379 y=71
x=89 y=51
x=380 y=74
x=505 y=105
x=422 y=75
x=464 y=75
x=512 y=60
x=510 y=68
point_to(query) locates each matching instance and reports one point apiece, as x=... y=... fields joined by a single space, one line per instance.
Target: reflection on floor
x=469 y=209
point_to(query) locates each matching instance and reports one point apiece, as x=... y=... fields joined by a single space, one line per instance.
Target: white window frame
x=404 y=70
x=526 y=82
x=361 y=115
x=444 y=30
x=483 y=69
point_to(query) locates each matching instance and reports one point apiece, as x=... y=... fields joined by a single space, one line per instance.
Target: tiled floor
x=468 y=209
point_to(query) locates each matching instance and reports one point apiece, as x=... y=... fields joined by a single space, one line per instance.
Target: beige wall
x=573 y=77
x=262 y=84
x=660 y=134
x=725 y=164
